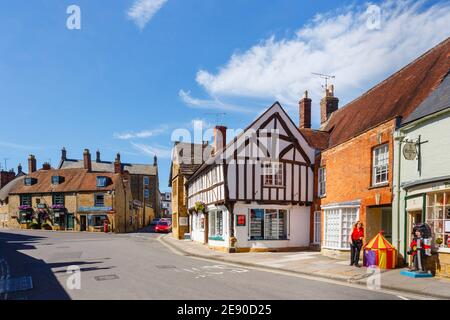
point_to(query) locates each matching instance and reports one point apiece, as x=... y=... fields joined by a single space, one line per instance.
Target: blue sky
x=138 y=69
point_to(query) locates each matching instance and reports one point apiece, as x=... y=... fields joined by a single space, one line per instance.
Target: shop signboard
x=94 y=209
x=241 y=220
x=183 y=221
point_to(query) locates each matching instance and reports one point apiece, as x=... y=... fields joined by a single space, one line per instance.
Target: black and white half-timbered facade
x=254 y=194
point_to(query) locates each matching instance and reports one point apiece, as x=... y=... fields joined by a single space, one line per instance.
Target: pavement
x=315 y=264
x=43 y=265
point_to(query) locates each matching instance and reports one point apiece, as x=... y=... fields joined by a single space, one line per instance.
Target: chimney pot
x=63 y=154
x=46 y=166
x=31 y=163
x=97 y=158
x=328 y=104
x=305 y=112
x=220 y=138
x=19 y=169
x=118 y=165
x=87 y=160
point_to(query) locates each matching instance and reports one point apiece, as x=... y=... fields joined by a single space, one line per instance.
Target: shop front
x=256 y=228
x=430 y=203
x=92 y=219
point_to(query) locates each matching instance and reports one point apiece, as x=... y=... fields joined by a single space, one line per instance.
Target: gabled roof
x=397 y=96
x=107 y=166
x=437 y=101
x=74 y=180
x=275 y=108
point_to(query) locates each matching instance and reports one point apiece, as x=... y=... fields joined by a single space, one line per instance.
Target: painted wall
x=435 y=163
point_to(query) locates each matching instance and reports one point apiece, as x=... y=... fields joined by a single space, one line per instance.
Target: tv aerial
x=326 y=77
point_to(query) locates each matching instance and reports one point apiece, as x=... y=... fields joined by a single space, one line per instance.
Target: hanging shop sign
x=410 y=151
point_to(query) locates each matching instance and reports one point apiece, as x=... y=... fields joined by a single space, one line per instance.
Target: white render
x=234 y=179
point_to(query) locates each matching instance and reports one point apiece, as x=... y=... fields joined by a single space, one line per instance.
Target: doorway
x=83 y=221
x=70 y=221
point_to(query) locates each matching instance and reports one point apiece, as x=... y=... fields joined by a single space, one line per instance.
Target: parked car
x=154 y=222
x=163 y=226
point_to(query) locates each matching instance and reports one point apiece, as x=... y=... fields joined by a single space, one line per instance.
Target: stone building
x=72 y=199
x=355 y=152
x=144 y=179
x=186 y=159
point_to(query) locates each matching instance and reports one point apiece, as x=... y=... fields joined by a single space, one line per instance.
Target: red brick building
x=354 y=158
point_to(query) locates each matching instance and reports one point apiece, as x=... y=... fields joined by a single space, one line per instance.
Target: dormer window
x=56 y=179
x=29 y=181
x=102 y=182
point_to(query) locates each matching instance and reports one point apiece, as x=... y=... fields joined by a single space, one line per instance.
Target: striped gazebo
x=380 y=252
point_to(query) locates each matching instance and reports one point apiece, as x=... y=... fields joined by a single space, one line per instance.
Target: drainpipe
x=399 y=138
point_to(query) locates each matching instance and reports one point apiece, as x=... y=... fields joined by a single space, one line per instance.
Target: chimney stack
x=305 y=112
x=31 y=164
x=97 y=158
x=155 y=161
x=328 y=104
x=117 y=164
x=63 y=154
x=46 y=166
x=19 y=169
x=87 y=160
x=220 y=138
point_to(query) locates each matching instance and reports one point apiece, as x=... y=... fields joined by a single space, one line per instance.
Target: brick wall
x=349 y=173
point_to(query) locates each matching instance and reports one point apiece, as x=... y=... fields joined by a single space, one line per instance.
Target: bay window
x=438 y=218
x=268 y=224
x=339 y=221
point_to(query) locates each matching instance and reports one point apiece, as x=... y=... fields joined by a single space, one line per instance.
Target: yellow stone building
x=186 y=159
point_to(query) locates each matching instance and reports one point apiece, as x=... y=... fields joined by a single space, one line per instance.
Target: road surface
x=139 y=266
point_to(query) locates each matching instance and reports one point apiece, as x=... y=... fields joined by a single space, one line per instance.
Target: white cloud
x=141 y=134
x=159 y=151
x=211 y=104
x=339 y=43
x=142 y=11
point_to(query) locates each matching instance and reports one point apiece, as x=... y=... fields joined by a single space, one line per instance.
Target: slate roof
x=397 y=96
x=437 y=101
x=74 y=180
x=107 y=166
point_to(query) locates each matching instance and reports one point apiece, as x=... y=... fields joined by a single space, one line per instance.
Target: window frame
x=377 y=169
x=55 y=195
x=317 y=223
x=322 y=182
x=96 y=195
x=341 y=239
x=24 y=196
x=264 y=221
x=275 y=176
x=99 y=179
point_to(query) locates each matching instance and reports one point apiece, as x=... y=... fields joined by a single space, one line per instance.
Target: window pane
x=256 y=224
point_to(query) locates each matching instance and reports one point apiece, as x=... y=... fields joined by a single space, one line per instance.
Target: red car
x=163 y=226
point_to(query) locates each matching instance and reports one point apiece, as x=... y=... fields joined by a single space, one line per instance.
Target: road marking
x=303 y=276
